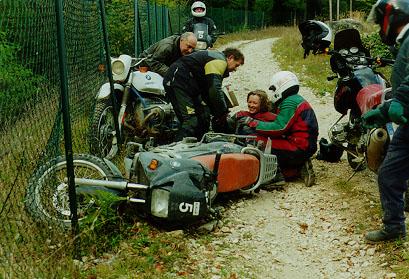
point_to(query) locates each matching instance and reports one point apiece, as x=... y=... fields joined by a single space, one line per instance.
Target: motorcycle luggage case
x=236 y=171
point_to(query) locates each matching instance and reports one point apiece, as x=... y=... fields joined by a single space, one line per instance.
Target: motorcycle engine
x=338 y=134
x=156 y=118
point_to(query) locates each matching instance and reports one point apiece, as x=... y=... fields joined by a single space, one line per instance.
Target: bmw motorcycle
x=175 y=183
x=359 y=89
x=144 y=111
x=204 y=40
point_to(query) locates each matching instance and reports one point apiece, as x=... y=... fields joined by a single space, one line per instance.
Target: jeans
x=392 y=177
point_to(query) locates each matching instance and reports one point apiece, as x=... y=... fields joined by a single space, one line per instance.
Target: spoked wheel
x=103 y=139
x=356 y=163
x=47 y=198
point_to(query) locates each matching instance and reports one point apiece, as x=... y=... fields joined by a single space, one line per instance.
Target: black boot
x=308 y=174
x=277 y=182
x=384 y=235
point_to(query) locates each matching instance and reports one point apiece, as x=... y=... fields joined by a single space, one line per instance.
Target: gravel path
x=295 y=232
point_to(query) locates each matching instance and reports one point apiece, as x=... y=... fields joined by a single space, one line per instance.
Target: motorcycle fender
x=186 y=201
x=105 y=90
x=114 y=169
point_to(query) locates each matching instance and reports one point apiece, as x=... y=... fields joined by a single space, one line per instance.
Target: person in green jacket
x=293 y=132
x=163 y=53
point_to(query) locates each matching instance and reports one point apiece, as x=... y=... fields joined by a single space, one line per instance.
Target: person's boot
x=384 y=235
x=307 y=173
x=277 y=182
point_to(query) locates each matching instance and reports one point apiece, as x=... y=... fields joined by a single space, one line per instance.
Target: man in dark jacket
x=163 y=53
x=393 y=174
x=193 y=85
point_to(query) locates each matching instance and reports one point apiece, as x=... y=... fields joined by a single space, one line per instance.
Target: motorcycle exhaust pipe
x=117 y=185
x=375 y=148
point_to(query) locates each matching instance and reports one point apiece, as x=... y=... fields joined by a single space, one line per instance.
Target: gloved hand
x=374 y=118
x=247 y=121
x=219 y=124
x=246 y=125
x=396 y=112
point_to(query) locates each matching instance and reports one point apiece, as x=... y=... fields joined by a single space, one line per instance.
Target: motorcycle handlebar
x=377 y=60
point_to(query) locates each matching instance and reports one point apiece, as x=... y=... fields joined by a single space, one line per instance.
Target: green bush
x=373 y=42
x=18 y=85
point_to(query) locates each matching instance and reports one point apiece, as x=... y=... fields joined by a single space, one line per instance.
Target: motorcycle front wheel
x=356 y=165
x=103 y=140
x=47 y=199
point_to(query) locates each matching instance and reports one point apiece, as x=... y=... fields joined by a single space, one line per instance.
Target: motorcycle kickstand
x=355 y=171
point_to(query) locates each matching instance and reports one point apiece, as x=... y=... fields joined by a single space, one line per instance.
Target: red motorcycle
x=360 y=88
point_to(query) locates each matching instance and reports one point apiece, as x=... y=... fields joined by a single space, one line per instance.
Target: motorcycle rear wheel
x=47 y=199
x=103 y=139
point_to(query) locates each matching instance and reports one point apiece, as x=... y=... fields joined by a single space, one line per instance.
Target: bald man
x=163 y=53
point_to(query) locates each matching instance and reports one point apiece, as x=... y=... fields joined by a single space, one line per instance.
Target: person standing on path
x=393 y=18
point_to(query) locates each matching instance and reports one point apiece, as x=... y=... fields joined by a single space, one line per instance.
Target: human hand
x=374 y=118
x=396 y=112
x=247 y=121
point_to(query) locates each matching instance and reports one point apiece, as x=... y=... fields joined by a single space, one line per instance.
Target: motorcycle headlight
x=118 y=67
x=121 y=67
x=160 y=203
x=201 y=45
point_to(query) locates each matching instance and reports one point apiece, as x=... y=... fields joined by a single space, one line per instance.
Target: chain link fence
x=32 y=106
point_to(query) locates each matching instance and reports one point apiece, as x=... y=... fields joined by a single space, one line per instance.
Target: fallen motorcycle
x=144 y=111
x=174 y=183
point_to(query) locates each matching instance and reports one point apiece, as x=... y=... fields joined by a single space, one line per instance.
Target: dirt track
x=296 y=232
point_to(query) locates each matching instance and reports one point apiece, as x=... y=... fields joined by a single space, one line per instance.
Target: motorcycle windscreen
x=347 y=38
x=236 y=171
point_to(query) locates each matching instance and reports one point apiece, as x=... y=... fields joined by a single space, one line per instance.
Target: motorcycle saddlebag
x=343 y=99
x=235 y=171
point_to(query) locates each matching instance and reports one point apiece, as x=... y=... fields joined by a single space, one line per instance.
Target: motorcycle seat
x=369 y=97
x=236 y=171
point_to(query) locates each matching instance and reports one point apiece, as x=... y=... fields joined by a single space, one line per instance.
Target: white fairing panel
x=149 y=82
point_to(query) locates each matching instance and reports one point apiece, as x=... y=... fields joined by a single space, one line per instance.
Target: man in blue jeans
x=393 y=18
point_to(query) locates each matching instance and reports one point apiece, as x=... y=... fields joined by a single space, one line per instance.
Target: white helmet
x=196 y=5
x=280 y=82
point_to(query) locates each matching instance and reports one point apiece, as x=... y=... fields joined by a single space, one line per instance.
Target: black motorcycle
x=359 y=89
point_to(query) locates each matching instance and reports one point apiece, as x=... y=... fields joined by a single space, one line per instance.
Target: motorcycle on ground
x=174 y=183
x=144 y=111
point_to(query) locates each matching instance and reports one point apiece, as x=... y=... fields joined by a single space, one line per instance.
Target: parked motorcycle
x=174 y=183
x=359 y=89
x=144 y=111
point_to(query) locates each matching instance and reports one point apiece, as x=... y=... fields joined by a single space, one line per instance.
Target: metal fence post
x=148 y=7
x=136 y=27
x=156 y=22
x=65 y=106
x=109 y=70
